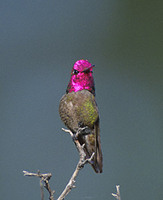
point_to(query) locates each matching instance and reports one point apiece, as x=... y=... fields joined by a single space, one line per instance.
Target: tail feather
x=97 y=160
x=97 y=165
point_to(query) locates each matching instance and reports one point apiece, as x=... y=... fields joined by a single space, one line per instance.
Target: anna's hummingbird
x=78 y=109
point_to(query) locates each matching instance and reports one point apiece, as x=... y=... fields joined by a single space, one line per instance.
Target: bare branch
x=42 y=189
x=80 y=165
x=117 y=195
x=68 y=131
x=44 y=178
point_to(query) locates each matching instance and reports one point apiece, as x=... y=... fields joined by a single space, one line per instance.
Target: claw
x=84 y=131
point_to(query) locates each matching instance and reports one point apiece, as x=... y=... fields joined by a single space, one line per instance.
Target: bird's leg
x=85 y=130
x=82 y=130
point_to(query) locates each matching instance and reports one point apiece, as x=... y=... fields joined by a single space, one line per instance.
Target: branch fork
x=43 y=178
x=117 y=195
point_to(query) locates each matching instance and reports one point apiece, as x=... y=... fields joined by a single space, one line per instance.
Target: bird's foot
x=82 y=131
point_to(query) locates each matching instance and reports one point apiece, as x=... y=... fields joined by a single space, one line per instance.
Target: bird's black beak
x=88 y=68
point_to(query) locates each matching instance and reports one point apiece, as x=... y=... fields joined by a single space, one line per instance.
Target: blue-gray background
x=39 y=42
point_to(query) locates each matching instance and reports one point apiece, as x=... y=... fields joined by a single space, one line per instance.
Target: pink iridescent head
x=81 y=77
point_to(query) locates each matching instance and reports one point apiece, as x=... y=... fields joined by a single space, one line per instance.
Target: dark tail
x=97 y=160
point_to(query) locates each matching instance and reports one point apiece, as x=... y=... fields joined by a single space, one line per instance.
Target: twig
x=44 y=178
x=117 y=195
x=80 y=165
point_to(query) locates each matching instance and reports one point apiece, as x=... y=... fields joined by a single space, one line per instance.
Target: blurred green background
x=39 y=43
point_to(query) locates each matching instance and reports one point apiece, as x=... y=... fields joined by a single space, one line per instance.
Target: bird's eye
x=75 y=71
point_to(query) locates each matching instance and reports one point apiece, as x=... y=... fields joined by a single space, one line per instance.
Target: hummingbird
x=78 y=109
